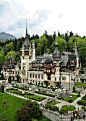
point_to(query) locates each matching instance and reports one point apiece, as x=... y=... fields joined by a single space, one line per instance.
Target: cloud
x=42 y=15
x=60 y=15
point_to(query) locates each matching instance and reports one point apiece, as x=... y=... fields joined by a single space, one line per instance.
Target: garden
x=23 y=88
x=83 y=101
x=69 y=107
x=26 y=94
x=44 y=93
x=70 y=98
x=80 y=84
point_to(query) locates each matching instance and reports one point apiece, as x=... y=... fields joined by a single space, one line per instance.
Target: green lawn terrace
x=26 y=94
x=80 y=84
x=13 y=104
x=70 y=98
x=69 y=107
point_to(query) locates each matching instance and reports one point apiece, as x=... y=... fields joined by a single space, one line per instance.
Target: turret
x=56 y=51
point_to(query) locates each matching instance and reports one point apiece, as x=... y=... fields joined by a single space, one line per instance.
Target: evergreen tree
x=2 y=89
x=58 y=33
x=9 y=79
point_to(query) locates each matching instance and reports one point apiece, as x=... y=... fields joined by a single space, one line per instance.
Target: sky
x=50 y=15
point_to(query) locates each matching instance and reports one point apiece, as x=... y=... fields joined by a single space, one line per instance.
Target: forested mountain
x=5 y=36
x=44 y=43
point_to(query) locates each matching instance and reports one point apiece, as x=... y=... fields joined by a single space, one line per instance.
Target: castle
x=55 y=67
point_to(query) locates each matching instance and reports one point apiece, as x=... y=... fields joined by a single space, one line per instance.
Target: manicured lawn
x=35 y=97
x=44 y=93
x=80 y=84
x=74 y=97
x=14 y=91
x=29 y=95
x=71 y=108
x=14 y=104
x=54 y=102
x=75 y=92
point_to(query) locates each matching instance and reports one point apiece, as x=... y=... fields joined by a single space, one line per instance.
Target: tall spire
x=26 y=28
x=56 y=44
x=56 y=51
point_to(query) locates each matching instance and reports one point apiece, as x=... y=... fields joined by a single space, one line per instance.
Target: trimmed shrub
x=81 y=102
x=48 y=106
x=78 y=94
x=2 y=88
x=84 y=98
x=59 y=98
x=51 y=86
x=53 y=89
x=73 y=88
x=27 y=93
x=83 y=107
x=70 y=100
x=63 y=110
x=46 y=83
x=54 y=108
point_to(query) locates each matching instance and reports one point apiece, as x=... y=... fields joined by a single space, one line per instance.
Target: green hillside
x=43 y=43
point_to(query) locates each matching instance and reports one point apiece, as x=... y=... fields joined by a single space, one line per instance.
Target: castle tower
x=56 y=61
x=26 y=57
x=56 y=51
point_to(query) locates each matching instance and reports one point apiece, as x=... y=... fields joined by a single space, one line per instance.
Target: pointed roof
x=26 y=42
x=56 y=51
x=26 y=28
x=76 y=51
x=56 y=44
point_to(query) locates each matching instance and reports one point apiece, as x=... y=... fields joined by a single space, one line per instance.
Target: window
x=30 y=75
x=42 y=76
x=53 y=70
x=33 y=75
x=39 y=76
x=48 y=70
x=23 y=57
x=55 y=78
x=63 y=78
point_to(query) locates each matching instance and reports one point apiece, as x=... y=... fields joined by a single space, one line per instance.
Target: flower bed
x=69 y=107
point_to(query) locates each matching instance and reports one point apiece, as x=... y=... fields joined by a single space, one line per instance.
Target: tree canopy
x=29 y=110
x=44 y=44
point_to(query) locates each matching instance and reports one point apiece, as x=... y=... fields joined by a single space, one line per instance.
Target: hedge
x=43 y=93
x=51 y=107
x=21 y=87
x=81 y=102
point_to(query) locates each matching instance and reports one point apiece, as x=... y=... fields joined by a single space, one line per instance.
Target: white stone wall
x=55 y=116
